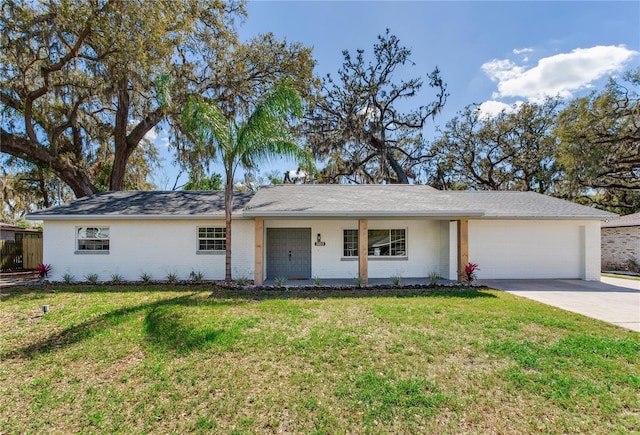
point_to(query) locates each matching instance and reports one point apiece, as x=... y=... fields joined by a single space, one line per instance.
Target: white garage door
x=519 y=249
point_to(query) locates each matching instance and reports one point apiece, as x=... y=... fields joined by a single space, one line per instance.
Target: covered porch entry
x=303 y=249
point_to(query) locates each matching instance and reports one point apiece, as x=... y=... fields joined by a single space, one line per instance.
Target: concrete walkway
x=612 y=300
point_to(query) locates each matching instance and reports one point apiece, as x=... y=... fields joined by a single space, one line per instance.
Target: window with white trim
x=381 y=243
x=212 y=239
x=350 y=243
x=93 y=239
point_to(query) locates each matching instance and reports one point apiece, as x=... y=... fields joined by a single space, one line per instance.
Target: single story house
x=324 y=231
x=621 y=243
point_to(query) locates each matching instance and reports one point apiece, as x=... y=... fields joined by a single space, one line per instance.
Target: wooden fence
x=31 y=253
x=26 y=254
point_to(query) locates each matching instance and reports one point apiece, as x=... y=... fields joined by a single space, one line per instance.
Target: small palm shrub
x=196 y=276
x=67 y=278
x=116 y=278
x=145 y=277
x=280 y=281
x=243 y=280
x=433 y=278
x=92 y=278
x=172 y=277
x=396 y=280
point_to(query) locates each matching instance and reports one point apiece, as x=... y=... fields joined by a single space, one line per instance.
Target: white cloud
x=561 y=74
x=151 y=135
x=161 y=140
x=155 y=135
x=522 y=50
x=502 y=70
x=490 y=109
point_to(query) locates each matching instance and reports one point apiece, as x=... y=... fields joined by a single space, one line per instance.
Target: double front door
x=289 y=253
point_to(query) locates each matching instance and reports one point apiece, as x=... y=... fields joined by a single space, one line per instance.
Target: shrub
x=433 y=278
x=280 y=281
x=196 y=276
x=172 y=277
x=242 y=280
x=470 y=271
x=43 y=270
x=145 y=277
x=358 y=281
x=317 y=281
x=68 y=278
x=396 y=280
x=91 y=277
x=116 y=278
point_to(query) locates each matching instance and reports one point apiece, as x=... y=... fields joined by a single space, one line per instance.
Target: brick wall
x=619 y=245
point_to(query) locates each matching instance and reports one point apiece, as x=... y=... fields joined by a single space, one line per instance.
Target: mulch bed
x=225 y=290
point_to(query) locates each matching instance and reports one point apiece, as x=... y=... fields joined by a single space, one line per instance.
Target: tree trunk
x=385 y=154
x=78 y=181
x=43 y=188
x=397 y=168
x=122 y=151
x=228 y=208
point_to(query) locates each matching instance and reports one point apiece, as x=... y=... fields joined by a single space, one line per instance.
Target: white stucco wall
x=507 y=249
x=154 y=247
x=526 y=249
x=423 y=248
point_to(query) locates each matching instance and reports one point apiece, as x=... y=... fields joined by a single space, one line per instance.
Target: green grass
x=621 y=276
x=159 y=359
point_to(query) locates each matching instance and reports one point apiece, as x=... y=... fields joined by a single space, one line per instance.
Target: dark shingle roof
x=318 y=200
x=410 y=200
x=351 y=200
x=630 y=220
x=138 y=204
x=511 y=204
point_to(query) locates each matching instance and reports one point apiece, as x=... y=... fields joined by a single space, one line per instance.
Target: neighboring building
x=324 y=231
x=13 y=232
x=621 y=243
x=17 y=249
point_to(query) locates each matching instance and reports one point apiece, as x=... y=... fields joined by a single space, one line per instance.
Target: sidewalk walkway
x=10 y=279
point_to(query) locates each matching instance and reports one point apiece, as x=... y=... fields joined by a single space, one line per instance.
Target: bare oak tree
x=358 y=129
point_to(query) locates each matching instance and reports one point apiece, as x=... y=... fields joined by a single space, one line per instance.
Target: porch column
x=258 y=267
x=463 y=247
x=363 y=250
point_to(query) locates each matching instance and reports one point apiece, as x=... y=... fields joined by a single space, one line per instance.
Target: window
x=212 y=239
x=387 y=243
x=382 y=243
x=350 y=243
x=93 y=239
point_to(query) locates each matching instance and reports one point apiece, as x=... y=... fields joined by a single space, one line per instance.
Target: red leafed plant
x=470 y=271
x=43 y=270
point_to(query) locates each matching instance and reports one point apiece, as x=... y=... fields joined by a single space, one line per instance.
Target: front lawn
x=172 y=360
x=622 y=276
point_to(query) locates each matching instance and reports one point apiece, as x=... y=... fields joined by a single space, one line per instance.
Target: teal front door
x=289 y=253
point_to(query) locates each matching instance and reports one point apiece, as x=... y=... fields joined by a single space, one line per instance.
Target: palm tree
x=262 y=136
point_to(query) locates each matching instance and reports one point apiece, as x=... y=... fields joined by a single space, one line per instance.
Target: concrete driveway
x=613 y=300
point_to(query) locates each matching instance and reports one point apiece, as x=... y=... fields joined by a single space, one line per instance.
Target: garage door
x=527 y=249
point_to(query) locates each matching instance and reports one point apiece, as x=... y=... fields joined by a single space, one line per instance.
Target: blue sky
x=491 y=53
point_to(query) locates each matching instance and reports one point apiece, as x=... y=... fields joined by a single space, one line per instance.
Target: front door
x=289 y=253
